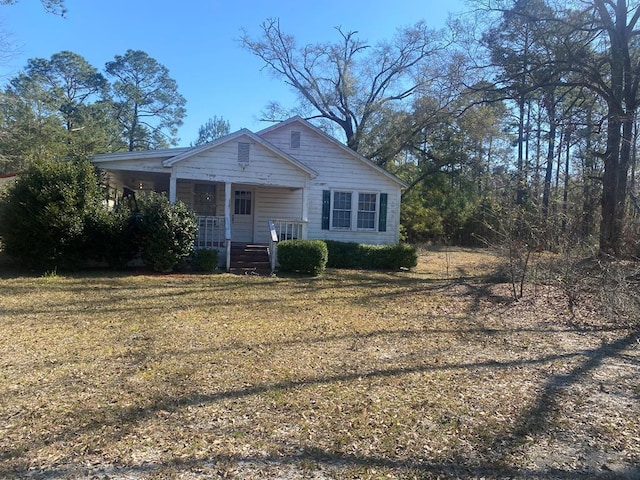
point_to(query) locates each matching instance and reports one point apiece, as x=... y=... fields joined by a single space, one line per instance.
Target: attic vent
x=295 y=139
x=243 y=154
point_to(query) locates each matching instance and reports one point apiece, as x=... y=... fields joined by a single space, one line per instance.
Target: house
x=288 y=181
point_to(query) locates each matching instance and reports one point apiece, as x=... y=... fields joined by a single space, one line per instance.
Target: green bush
x=204 y=260
x=342 y=254
x=44 y=214
x=166 y=231
x=302 y=256
x=389 y=257
x=371 y=257
x=113 y=237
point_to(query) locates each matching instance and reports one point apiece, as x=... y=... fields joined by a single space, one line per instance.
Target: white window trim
x=376 y=213
x=355 y=196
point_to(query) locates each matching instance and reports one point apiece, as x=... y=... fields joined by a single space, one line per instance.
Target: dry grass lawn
x=433 y=373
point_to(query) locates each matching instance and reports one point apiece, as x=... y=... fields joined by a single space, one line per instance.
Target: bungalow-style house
x=288 y=181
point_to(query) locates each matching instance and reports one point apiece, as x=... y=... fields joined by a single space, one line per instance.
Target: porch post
x=227 y=221
x=172 y=185
x=305 y=208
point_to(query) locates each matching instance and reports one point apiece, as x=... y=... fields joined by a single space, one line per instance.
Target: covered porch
x=227 y=212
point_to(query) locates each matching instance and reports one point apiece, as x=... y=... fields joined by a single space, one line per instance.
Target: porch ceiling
x=138 y=180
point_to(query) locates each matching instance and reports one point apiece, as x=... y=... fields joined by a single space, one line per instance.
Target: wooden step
x=250 y=259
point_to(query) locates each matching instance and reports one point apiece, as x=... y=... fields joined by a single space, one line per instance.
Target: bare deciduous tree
x=350 y=82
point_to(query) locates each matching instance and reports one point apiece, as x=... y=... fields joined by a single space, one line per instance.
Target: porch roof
x=139 y=155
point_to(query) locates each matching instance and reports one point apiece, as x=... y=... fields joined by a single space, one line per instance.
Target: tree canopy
x=212 y=129
x=147 y=104
x=348 y=82
x=56 y=7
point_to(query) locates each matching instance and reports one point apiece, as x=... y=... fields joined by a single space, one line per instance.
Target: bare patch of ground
x=434 y=373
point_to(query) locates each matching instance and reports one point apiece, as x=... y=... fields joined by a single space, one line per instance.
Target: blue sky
x=198 y=41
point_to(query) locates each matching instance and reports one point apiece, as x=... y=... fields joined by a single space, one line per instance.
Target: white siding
x=184 y=193
x=220 y=164
x=275 y=203
x=337 y=170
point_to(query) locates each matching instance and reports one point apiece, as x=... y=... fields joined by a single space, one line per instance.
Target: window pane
x=367 y=210
x=341 y=210
x=242 y=202
x=204 y=199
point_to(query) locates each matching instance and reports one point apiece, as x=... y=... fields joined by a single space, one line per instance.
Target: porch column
x=227 y=221
x=305 y=208
x=172 y=185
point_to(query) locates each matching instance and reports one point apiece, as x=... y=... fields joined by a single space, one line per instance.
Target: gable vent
x=243 y=153
x=295 y=139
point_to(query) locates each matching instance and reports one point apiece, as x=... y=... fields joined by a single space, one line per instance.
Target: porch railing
x=210 y=232
x=280 y=230
x=289 y=229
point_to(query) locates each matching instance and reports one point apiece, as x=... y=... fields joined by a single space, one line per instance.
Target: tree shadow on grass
x=533 y=422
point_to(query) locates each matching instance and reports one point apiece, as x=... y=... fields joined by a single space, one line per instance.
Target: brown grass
x=434 y=373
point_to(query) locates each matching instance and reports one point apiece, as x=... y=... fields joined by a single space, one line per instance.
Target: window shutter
x=326 y=208
x=382 y=218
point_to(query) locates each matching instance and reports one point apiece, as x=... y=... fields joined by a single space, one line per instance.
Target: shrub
x=342 y=254
x=302 y=256
x=390 y=257
x=43 y=215
x=371 y=257
x=113 y=237
x=166 y=231
x=204 y=260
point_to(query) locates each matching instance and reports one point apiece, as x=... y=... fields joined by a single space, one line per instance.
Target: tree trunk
x=609 y=237
x=551 y=145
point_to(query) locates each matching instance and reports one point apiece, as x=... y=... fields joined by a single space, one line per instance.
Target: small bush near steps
x=204 y=260
x=302 y=256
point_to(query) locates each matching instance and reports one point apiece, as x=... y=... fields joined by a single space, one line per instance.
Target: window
x=367 y=211
x=242 y=202
x=341 y=210
x=295 y=139
x=204 y=199
x=363 y=211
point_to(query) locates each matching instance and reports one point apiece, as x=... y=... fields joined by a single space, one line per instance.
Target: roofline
x=232 y=136
x=345 y=148
x=136 y=155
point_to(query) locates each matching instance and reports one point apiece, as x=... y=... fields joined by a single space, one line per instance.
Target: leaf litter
x=433 y=373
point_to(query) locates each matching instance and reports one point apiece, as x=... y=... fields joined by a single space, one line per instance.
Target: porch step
x=249 y=259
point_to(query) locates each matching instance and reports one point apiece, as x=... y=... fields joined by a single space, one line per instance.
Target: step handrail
x=273 y=245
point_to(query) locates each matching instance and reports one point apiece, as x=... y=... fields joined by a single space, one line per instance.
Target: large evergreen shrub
x=44 y=214
x=113 y=236
x=166 y=232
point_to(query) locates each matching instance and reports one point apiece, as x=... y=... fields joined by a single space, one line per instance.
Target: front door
x=242 y=219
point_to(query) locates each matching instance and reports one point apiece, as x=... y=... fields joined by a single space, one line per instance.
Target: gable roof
x=301 y=121
x=233 y=136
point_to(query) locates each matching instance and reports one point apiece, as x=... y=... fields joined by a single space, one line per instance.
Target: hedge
x=302 y=256
x=370 y=257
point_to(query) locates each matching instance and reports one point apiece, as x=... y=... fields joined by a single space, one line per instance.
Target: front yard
x=434 y=373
